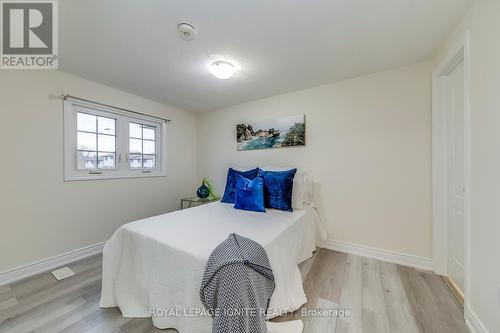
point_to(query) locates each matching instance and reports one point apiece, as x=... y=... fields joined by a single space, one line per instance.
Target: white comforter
x=158 y=263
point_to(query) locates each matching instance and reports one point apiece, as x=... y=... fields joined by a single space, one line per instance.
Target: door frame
x=456 y=54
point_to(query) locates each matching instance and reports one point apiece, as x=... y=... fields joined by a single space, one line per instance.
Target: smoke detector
x=186 y=31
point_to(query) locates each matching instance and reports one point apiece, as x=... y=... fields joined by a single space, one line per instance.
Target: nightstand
x=189 y=202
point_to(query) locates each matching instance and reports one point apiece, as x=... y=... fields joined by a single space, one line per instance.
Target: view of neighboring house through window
x=142 y=146
x=96 y=142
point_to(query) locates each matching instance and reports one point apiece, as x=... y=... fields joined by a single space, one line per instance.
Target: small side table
x=188 y=202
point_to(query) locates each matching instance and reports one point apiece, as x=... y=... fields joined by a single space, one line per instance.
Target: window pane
x=105 y=160
x=135 y=146
x=135 y=130
x=106 y=125
x=135 y=161
x=148 y=133
x=87 y=160
x=149 y=161
x=86 y=141
x=86 y=122
x=148 y=147
x=106 y=143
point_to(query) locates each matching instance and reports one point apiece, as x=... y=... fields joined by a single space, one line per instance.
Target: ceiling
x=278 y=46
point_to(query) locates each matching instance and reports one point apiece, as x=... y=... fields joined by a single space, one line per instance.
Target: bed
x=153 y=267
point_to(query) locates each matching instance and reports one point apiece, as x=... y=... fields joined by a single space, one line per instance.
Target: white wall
x=483 y=22
x=368 y=150
x=43 y=216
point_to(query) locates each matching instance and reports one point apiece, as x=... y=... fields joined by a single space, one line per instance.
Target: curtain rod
x=66 y=96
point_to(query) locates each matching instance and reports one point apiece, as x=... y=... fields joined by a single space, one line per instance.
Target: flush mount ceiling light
x=222 y=69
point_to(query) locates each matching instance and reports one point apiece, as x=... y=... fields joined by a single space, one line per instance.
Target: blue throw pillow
x=278 y=187
x=249 y=194
x=228 y=196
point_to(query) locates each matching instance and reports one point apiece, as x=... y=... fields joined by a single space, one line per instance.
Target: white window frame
x=122 y=170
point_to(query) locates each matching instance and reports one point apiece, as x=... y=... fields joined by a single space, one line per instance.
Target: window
x=142 y=153
x=96 y=142
x=104 y=142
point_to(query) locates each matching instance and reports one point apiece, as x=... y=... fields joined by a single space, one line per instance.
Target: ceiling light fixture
x=222 y=69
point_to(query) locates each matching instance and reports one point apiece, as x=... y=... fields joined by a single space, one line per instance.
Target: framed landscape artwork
x=275 y=133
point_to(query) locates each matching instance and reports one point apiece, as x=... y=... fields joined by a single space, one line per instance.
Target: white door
x=456 y=166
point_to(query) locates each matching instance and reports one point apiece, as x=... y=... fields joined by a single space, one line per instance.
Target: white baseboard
x=48 y=264
x=473 y=322
x=384 y=255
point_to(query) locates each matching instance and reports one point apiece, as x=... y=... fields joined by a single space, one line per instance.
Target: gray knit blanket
x=237 y=286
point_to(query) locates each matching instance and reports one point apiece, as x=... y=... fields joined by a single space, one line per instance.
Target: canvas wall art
x=274 y=133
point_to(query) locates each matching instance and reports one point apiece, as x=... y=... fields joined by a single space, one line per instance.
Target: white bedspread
x=158 y=263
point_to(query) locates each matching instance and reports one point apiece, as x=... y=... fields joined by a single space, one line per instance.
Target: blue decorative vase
x=203 y=192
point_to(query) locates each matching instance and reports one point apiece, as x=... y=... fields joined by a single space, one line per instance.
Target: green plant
x=211 y=189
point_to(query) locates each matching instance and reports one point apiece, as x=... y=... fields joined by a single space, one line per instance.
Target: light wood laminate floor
x=381 y=297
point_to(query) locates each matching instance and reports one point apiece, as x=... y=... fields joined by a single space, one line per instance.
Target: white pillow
x=308 y=191
x=302 y=192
